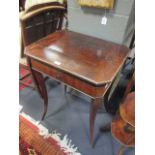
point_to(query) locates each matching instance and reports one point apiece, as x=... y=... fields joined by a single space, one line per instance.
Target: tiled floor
x=69 y=114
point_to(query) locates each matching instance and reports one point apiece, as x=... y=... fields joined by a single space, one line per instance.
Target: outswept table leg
x=94 y=107
x=40 y=85
x=42 y=88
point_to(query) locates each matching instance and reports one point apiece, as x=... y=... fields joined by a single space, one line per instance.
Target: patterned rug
x=28 y=80
x=34 y=139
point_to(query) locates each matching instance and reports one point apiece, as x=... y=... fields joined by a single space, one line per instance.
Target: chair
x=37 y=22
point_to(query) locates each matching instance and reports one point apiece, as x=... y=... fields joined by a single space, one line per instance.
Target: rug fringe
x=64 y=142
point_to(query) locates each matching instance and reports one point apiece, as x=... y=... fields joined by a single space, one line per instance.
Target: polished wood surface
x=123 y=126
x=130 y=86
x=127 y=109
x=85 y=63
x=91 y=59
x=123 y=136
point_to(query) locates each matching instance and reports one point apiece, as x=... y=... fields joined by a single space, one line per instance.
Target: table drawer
x=73 y=81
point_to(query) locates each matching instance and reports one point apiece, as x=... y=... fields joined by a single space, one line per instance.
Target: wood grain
x=94 y=60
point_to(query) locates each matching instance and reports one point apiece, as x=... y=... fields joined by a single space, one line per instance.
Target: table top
x=89 y=58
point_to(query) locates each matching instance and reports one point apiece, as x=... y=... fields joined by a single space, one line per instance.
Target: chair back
x=41 y=20
x=22 y=5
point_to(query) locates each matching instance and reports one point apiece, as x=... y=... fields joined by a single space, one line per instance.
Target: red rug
x=27 y=80
x=31 y=143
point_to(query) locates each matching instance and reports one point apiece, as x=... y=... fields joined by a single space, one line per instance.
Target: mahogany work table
x=85 y=63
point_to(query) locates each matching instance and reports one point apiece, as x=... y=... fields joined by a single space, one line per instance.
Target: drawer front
x=68 y=79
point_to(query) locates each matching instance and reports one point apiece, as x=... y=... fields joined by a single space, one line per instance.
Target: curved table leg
x=40 y=85
x=35 y=81
x=94 y=107
x=42 y=89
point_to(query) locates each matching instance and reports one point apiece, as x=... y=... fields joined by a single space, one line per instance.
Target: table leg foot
x=45 y=98
x=45 y=110
x=94 y=107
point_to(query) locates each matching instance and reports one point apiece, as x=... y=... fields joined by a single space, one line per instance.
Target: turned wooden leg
x=94 y=107
x=40 y=85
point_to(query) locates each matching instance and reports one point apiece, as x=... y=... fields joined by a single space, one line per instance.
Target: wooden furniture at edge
x=85 y=63
x=123 y=125
x=37 y=22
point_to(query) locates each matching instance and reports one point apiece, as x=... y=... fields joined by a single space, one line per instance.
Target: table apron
x=75 y=82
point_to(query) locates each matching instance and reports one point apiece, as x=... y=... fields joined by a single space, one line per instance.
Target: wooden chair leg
x=94 y=107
